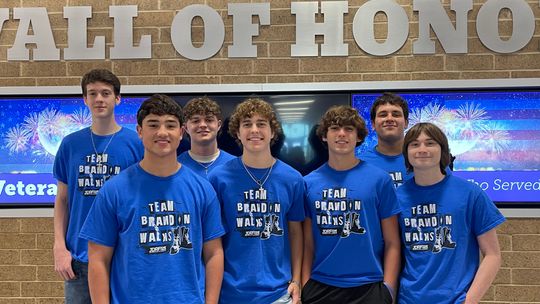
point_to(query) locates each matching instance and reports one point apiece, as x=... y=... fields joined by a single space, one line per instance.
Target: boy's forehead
x=164 y=117
x=202 y=115
x=386 y=106
x=255 y=116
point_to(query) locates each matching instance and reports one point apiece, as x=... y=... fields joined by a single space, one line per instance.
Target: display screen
x=495 y=137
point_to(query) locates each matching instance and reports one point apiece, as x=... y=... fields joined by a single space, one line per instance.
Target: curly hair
x=342 y=116
x=389 y=98
x=436 y=134
x=250 y=107
x=101 y=75
x=159 y=104
x=202 y=106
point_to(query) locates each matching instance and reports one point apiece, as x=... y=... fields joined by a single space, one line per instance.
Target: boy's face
x=255 y=133
x=390 y=123
x=341 y=139
x=203 y=129
x=424 y=153
x=160 y=135
x=100 y=99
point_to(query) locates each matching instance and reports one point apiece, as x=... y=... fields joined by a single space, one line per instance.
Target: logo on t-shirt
x=397 y=177
x=336 y=214
x=94 y=173
x=256 y=217
x=164 y=229
x=428 y=230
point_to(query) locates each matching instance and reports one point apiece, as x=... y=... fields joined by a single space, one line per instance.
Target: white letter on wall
x=123 y=34
x=431 y=14
x=487 y=25
x=214 y=32
x=331 y=28
x=244 y=29
x=42 y=37
x=364 y=31
x=77 y=35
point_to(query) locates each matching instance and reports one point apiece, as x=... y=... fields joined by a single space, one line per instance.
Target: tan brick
x=17 y=301
x=243 y=79
x=57 y=81
x=276 y=66
x=386 y=76
x=229 y=67
x=262 y=50
x=97 y=5
x=489 y=295
x=520 y=226
x=42 y=289
x=504 y=276
x=17 y=273
x=9 y=82
x=43 y=68
x=58 y=21
x=484 y=75
x=142 y=5
x=101 y=32
x=136 y=67
x=517 y=62
x=8 y=36
x=50 y=300
x=323 y=65
x=327 y=77
x=279 y=49
x=278 y=33
x=79 y=68
x=178 y=4
x=419 y=63
x=526 y=242
x=181 y=67
x=290 y=78
x=45 y=240
x=282 y=17
x=163 y=51
x=434 y=75
x=153 y=19
x=37 y=257
x=9 y=69
x=164 y=35
x=470 y=62
x=52 y=5
x=517 y=293
x=37 y=225
x=47 y=273
x=521 y=259
x=17 y=241
x=10 y=289
x=505 y=242
x=10 y=257
x=10 y=225
x=522 y=276
x=149 y=80
x=372 y=64
x=525 y=74
x=145 y=31
x=197 y=80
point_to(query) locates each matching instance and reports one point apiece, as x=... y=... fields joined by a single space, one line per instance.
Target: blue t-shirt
x=84 y=172
x=394 y=165
x=199 y=168
x=439 y=226
x=157 y=226
x=256 y=246
x=346 y=209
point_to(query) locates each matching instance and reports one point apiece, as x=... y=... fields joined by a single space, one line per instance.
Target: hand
x=62 y=264
x=294 y=291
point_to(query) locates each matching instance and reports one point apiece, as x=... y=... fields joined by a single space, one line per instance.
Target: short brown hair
x=434 y=133
x=201 y=106
x=389 y=98
x=159 y=104
x=101 y=75
x=250 y=107
x=342 y=116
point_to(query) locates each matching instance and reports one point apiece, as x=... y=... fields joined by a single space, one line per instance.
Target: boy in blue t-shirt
x=389 y=116
x=203 y=123
x=261 y=199
x=154 y=225
x=352 y=246
x=84 y=161
x=445 y=222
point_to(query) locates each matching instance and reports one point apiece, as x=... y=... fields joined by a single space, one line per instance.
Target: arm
x=307 y=262
x=392 y=252
x=99 y=268
x=62 y=256
x=213 y=259
x=297 y=243
x=489 y=246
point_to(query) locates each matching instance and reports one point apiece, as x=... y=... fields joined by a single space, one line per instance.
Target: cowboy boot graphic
x=356 y=228
x=447 y=238
x=275 y=226
x=347 y=225
x=185 y=243
x=176 y=241
x=437 y=246
x=265 y=234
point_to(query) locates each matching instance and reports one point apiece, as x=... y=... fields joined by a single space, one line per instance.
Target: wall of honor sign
x=494 y=135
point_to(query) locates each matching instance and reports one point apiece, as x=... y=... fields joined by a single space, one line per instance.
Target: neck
x=162 y=167
x=257 y=160
x=204 y=150
x=104 y=127
x=428 y=177
x=342 y=162
x=390 y=148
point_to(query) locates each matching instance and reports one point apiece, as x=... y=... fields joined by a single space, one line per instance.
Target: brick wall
x=26 y=271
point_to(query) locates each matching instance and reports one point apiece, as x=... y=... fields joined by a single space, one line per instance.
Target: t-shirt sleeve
x=388 y=202
x=101 y=225
x=60 y=164
x=211 y=221
x=307 y=203
x=486 y=215
x=296 y=212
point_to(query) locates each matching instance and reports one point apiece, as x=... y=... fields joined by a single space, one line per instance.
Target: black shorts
x=315 y=292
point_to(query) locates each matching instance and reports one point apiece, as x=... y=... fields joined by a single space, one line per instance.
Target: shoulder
x=373 y=171
x=287 y=170
x=225 y=156
x=184 y=156
x=128 y=134
x=82 y=134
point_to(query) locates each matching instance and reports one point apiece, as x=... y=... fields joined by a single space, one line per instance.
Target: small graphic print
x=337 y=214
x=256 y=217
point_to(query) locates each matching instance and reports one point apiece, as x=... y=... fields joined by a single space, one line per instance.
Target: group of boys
x=158 y=232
